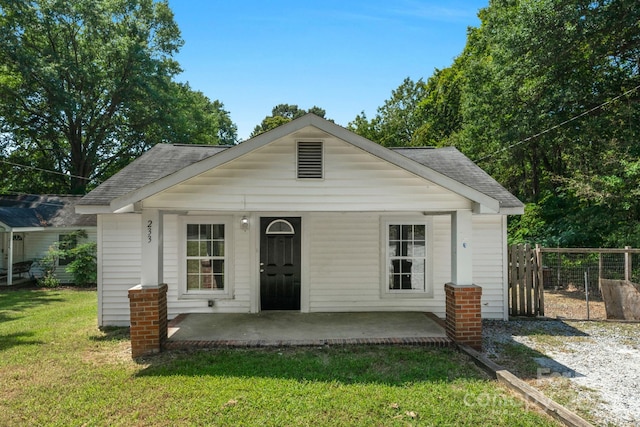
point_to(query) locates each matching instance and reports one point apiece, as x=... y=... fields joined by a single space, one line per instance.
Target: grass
x=58 y=369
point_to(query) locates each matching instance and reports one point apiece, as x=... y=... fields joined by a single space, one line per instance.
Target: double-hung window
x=407 y=258
x=67 y=242
x=206 y=256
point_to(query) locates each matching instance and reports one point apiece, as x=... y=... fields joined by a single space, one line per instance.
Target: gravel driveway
x=592 y=368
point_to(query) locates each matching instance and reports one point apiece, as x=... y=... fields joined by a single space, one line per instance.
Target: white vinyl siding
x=343 y=254
x=37 y=243
x=345 y=272
x=120 y=255
x=264 y=180
x=236 y=301
x=489 y=249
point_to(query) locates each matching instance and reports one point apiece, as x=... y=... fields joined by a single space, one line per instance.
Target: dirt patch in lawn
x=571 y=303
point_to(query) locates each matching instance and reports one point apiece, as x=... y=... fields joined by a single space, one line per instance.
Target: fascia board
x=414 y=167
x=8 y=229
x=209 y=163
x=287 y=129
x=26 y=229
x=512 y=211
x=93 y=209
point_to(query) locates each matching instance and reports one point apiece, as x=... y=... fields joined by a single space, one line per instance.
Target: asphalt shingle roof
x=455 y=165
x=27 y=210
x=160 y=161
x=164 y=159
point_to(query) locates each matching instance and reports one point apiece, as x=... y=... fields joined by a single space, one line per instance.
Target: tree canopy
x=284 y=113
x=87 y=85
x=545 y=97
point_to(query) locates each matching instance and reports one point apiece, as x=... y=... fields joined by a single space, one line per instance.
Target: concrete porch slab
x=283 y=328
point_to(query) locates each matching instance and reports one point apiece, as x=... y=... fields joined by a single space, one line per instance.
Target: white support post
x=10 y=260
x=152 y=253
x=461 y=248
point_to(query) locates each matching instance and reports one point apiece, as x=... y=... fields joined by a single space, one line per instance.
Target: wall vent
x=309 y=160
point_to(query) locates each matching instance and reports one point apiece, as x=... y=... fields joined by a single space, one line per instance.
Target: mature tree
x=397 y=121
x=284 y=113
x=546 y=97
x=536 y=75
x=192 y=118
x=86 y=85
x=439 y=112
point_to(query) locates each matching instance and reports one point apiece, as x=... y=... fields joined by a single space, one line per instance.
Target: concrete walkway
x=284 y=328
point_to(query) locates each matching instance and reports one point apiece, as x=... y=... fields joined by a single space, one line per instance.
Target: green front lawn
x=57 y=368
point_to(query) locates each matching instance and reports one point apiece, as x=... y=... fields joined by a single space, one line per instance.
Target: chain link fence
x=571 y=278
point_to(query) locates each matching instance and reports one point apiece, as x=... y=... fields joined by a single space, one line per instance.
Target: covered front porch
x=293 y=328
x=151 y=332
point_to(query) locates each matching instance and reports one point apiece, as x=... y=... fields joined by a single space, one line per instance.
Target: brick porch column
x=148 y=308
x=464 y=319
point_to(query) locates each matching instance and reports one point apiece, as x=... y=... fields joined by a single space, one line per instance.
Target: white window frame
x=427 y=292
x=225 y=293
x=66 y=261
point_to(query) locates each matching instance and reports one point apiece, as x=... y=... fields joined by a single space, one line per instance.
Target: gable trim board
x=346 y=239
x=125 y=199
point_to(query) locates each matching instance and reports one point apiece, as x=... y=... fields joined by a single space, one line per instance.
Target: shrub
x=82 y=261
x=48 y=264
x=83 y=267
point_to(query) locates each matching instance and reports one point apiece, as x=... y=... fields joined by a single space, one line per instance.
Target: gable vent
x=309 y=159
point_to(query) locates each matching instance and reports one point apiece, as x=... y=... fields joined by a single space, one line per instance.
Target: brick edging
x=415 y=341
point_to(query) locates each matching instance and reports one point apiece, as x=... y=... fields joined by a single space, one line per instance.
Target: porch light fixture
x=244 y=223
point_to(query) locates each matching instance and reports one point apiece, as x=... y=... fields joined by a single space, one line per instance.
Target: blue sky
x=344 y=56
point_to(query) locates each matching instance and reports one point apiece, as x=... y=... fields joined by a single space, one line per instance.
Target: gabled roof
x=41 y=211
x=166 y=165
x=452 y=163
x=160 y=161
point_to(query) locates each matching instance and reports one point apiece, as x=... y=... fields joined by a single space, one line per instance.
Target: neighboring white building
x=309 y=217
x=29 y=225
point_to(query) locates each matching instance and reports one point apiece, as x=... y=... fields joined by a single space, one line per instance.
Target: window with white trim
x=408 y=266
x=66 y=243
x=206 y=257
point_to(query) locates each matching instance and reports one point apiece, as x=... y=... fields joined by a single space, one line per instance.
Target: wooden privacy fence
x=526 y=293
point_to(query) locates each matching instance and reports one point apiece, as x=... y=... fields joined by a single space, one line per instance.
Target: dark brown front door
x=280 y=263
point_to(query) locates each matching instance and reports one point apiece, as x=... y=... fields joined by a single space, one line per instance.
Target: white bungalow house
x=308 y=217
x=29 y=225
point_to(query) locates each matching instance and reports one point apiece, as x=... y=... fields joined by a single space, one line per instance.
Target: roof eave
x=213 y=161
x=20 y=229
x=93 y=209
x=513 y=210
x=232 y=153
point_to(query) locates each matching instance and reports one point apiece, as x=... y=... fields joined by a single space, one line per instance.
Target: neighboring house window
x=407 y=261
x=66 y=242
x=310 y=160
x=205 y=257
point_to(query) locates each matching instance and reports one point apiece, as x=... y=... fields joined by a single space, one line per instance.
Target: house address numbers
x=149 y=230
